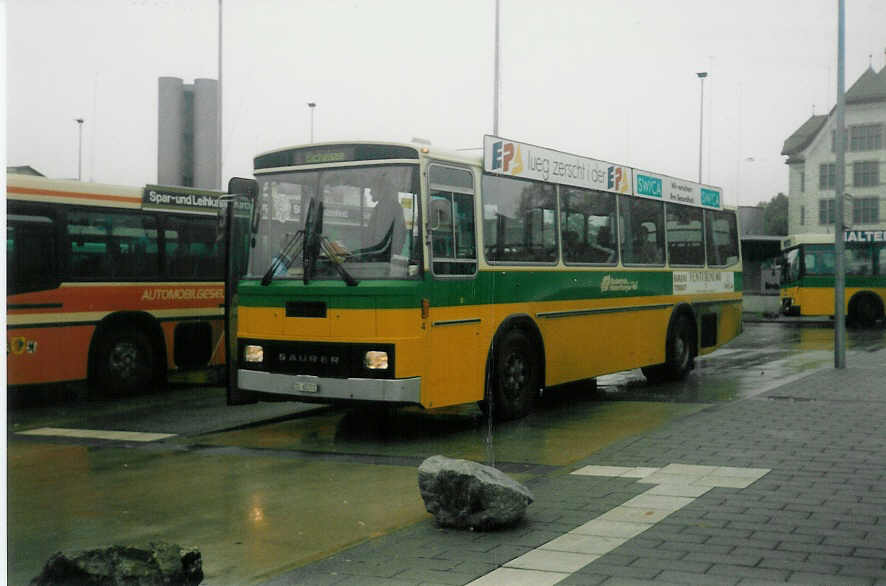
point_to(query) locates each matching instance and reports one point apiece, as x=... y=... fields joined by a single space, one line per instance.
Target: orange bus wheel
x=124 y=363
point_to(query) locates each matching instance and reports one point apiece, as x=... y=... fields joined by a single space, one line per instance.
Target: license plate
x=305 y=387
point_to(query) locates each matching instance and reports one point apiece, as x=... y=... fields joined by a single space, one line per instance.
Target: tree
x=775 y=216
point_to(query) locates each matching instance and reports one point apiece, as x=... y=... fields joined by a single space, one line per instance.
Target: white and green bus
x=401 y=274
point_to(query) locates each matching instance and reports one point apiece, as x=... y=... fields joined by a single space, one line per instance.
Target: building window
x=865 y=174
x=866 y=210
x=825 y=211
x=827 y=175
x=867 y=137
x=802 y=215
x=802 y=182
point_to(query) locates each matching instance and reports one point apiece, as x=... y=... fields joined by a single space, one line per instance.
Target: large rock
x=465 y=494
x=157 y=564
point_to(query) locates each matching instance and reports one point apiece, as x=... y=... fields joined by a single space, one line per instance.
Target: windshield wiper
x=284 y=258
x=336 y=261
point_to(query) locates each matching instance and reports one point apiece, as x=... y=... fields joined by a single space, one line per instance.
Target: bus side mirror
x=247 y=188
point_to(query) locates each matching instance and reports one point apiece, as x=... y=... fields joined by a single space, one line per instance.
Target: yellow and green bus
x=403 y=274
x=807 y=282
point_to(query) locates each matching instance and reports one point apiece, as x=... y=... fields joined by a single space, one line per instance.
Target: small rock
x=465 y=494
x=157 y=564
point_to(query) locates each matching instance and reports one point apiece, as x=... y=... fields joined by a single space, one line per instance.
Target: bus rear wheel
x=515 y=377
x=124 y=363
x=678 y=354
x=866 y=310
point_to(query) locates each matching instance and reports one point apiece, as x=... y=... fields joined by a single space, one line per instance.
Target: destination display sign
x=864 y=236
x=178 y=199
x=507 y=157
x=653 y=185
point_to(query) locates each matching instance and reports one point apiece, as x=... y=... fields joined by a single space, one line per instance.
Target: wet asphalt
x=264 y=489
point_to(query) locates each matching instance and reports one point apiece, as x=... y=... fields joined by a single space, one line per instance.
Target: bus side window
x=721 y=238
x=685 y=236
x=587 y=219
x=190 y=249
x=31 y=255
x=520 y=220
x=642 y=238
x=104 y=246
x=859 y=260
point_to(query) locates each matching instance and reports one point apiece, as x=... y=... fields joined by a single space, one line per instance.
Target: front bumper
x=322 y=389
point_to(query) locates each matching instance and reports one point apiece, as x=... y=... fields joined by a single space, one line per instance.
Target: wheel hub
x=123 y=359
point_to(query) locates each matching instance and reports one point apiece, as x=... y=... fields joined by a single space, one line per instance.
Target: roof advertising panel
x=507 y=157
x=662 y=187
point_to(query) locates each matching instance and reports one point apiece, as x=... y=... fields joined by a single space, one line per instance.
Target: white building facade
x=811 y=161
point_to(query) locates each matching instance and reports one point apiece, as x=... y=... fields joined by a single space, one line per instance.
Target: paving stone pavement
x=818 y=516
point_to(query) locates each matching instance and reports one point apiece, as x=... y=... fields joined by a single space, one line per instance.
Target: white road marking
x=126 y=436
x=675 y=486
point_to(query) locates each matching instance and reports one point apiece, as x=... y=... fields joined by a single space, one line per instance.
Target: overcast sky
x=609 y=79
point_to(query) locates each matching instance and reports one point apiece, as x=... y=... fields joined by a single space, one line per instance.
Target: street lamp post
x=79 y=148
x=312 y=105
x=701 y=75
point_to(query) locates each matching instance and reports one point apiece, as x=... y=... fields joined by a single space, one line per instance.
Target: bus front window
x=370 y=221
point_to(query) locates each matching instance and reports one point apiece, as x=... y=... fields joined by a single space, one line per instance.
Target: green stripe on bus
x=827 y=281
x=487 y=287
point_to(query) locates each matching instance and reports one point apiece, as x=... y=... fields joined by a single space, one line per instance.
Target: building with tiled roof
x=811 y=162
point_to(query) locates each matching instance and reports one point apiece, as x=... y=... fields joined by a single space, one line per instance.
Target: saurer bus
x=114 y=285
x=403 y=274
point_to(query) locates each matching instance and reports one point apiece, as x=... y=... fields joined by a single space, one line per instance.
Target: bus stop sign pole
x=839 y=189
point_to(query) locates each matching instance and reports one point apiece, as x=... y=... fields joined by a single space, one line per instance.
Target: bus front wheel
x=124 y=363
x=515 y=377
x=678 y=354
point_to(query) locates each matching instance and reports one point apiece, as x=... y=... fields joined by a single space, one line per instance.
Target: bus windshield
x=370 y=222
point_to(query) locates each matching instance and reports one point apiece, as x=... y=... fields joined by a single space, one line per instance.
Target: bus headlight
x=253 y=353
x=375 y=360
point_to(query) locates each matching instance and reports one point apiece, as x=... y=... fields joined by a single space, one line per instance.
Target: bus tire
x=125 y=362
x=865 y=310
x=679 y=353
x=515 y=377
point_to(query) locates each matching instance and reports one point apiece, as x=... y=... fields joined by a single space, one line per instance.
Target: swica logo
x=617 y=179
x=506 y=157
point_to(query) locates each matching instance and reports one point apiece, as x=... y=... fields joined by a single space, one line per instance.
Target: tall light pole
x=312 y=105
x=218 y=98
x=79 y=148
x=839 y=189
x=496 y=75
x=701 y=75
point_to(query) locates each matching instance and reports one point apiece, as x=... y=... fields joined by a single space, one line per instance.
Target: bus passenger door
x=455 y=362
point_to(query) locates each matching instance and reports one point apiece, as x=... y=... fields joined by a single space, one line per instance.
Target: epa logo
x=618 y=179
x=506 y=157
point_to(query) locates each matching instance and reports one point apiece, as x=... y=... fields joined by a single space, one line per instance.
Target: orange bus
x=114 y=285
